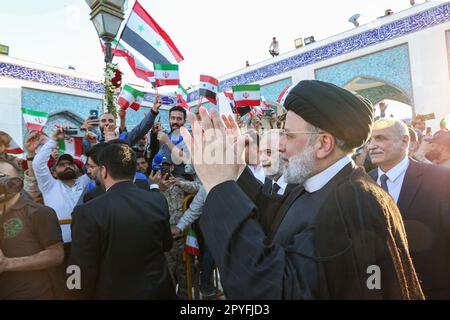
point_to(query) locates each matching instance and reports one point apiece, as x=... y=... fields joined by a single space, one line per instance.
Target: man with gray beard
x=335 y=236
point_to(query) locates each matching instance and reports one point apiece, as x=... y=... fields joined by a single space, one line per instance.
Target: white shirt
x=395 y=178
x=318 y=181
x=57 y=195
x=258 y=172
x=274 y=46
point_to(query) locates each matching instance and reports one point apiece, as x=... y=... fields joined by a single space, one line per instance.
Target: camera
x=73 y=132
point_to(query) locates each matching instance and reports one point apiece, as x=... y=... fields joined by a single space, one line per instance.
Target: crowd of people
x=322 y=194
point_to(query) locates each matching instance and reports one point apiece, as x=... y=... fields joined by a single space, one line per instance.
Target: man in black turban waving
x=336 y=236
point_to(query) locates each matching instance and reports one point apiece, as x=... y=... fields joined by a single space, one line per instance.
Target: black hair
x=94 y=151
x=178 y=108
x=119 y=159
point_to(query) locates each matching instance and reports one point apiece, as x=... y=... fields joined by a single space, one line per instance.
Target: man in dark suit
x=119 y=238
x=275 y=187
x=333 y=233
x=422 y=193
x=92 y=170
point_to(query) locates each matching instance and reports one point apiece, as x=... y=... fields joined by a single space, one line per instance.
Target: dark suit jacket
x=424 y=203
x=327 y=257
x=118 y=241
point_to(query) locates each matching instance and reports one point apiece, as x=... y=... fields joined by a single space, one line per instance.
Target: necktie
x=383 y=180
x=275 y=188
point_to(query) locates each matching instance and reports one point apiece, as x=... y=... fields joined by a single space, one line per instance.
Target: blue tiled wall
x=391 y=66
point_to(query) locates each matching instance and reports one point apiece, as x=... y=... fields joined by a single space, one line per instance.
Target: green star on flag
x=141 y=28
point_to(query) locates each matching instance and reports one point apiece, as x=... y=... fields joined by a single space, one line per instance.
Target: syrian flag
x=72 y=146
x=139 y=68
x=34 y=120
x=247 y=95
x=130 y=97
x=166 y=75
x=284 y=94
x=208 y=88
x=192 y=246
x=230 y=98
x=143 y=34
x=14 y=148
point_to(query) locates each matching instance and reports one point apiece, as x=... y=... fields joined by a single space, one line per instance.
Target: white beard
x=301 y=166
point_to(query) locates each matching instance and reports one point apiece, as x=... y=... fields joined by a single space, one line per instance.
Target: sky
x=215 y=37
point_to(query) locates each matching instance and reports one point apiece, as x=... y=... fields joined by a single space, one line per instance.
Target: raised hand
x=216 y=147
x=157 y=103
x=110 y=133
x=162 y=137
x=59 y=134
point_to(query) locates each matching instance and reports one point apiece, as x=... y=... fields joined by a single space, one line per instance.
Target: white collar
x=396 y=171
x=317 y=182
x=281 y=182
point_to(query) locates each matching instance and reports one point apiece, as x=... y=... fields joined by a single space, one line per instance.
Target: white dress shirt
x=395 y=178
x=318 y=181
x=258 y=172
x=57 y=195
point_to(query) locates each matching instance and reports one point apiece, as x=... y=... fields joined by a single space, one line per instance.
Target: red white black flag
x=209 y=87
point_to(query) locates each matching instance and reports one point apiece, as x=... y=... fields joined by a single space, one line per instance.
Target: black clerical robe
x=321 y=245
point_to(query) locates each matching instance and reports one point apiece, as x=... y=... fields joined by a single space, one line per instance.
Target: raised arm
x=145 y=125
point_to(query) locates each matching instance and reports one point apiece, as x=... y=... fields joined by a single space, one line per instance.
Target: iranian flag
x=264 y=103
x=34 y=120
x=192 y=246
x=72 y=146
x=130 y=97
x=166 y=75
x=209 y=88
x=181 y=97
x=14 y=148
x=181 y=90
x=247 y=95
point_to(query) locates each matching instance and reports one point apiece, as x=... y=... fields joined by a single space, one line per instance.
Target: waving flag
x=166 y=75
x=144 y=35
x=71 y=146
x=247 y=95
x=34 y=120
x=13 y=148
x=181 y=90
x=230 y=98
x=208 y=88
x=192 y=246
x=284 y=94
x=130 y=97
x=139 y=68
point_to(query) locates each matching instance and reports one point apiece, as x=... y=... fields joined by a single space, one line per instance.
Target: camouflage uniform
x=175 y=197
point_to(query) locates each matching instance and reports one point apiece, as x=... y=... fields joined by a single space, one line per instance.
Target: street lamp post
x=107 y=15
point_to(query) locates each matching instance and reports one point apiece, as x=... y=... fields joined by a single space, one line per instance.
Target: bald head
x=389 y=143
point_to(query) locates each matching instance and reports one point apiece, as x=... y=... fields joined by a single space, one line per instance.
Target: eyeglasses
x=285 y=133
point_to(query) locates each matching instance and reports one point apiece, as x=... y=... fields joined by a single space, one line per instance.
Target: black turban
x=332 y=109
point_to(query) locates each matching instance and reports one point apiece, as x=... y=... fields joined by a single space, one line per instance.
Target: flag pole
x=121 y=33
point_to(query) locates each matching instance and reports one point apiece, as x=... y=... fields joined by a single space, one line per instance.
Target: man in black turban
x=335 y=236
